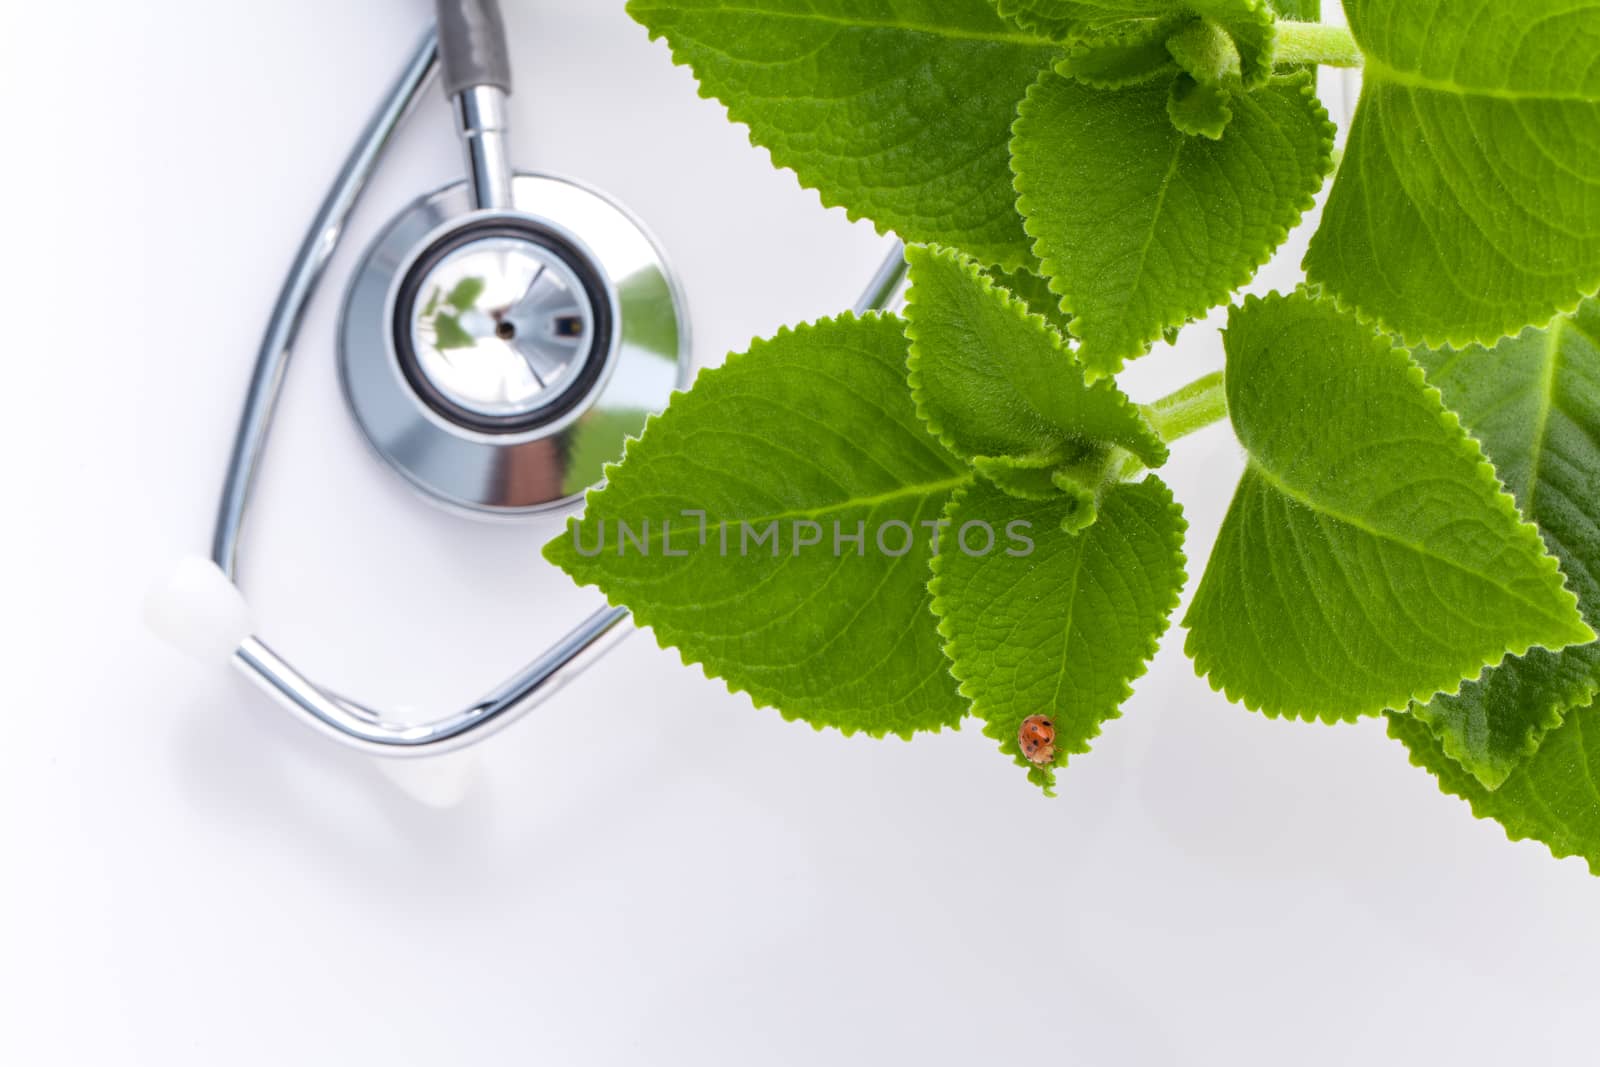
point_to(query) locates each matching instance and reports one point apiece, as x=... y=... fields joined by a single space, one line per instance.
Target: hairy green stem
x=1303 y=43
x=1194 y=407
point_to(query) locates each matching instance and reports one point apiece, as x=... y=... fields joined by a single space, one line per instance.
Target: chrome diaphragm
x=498 y=359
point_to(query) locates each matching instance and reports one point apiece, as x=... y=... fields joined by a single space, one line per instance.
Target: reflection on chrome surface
x=541 y=365
x=502 y=327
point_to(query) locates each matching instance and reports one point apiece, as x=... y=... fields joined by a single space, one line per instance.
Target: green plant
x=888 y=524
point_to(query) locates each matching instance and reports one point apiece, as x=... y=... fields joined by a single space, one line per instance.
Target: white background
x=649 y=871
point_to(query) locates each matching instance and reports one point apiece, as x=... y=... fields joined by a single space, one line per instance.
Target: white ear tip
x=439 y=782
x=199 y=611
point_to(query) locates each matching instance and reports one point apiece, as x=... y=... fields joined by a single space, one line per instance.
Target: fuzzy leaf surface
x=1063 y=630
x=899 y=111
x=1114 y=62
x=1141 y=227
x=1468 y=203
x=814 y=426
x=1249 y=24
x=1084 y=19
x=1299 y=10
x=992 y=379
x=1533 y=402
x=1551 y=797
x=1198 y=109
x=1370 y=556
x=1027 y=477
x=1076 y=20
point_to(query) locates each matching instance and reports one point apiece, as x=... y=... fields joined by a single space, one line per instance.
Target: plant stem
x=1194 y=407
x=1304 y=43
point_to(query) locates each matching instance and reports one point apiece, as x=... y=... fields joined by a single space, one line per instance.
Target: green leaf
x=1370 y=557
x=1253 y=27
x=1060 y=630
x=1066 y=20
x=1199 y=110
x=1206 y=52
x=1299 y=10
x=1114 y=62
x=1552 y=797
x=1249 y=24
x=1468 y=203
x=1141 y=228
x=899 y=111
x=1024 y=477
x=991 y=379
x=465 y=295
x=597 y=442
x=1034 y=291
x=1074 y=486
x=450 y=334
x=807 y=435
x=1534 y=404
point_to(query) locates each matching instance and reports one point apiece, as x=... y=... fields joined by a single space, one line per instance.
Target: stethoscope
x=499 y=341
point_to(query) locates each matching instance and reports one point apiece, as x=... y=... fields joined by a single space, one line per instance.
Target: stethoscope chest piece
x=497 y=359
x=500 y=342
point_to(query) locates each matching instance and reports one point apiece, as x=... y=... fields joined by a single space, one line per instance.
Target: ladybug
x=1037 y=736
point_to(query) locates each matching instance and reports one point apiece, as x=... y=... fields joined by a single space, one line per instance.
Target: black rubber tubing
x=472 y=45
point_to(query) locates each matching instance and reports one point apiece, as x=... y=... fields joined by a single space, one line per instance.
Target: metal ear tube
x=486 y=329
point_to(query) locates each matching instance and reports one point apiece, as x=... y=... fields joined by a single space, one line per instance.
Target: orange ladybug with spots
x=1037 y=736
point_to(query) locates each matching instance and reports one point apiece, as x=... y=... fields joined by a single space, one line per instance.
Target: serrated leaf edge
x=1155 y=456
x=1011 y=260
x=1553 y=714
x=988 y=468
x=1455 y=342
x=1512 y=834
x=1050 y=267
x=1261 y=73
x=953 y=651
x=1383 y=346
x=1025 y=22
x=1211 y=133
x=1143 y=34
x=1553 y=708
x=760 y=696
x=1587 y=289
